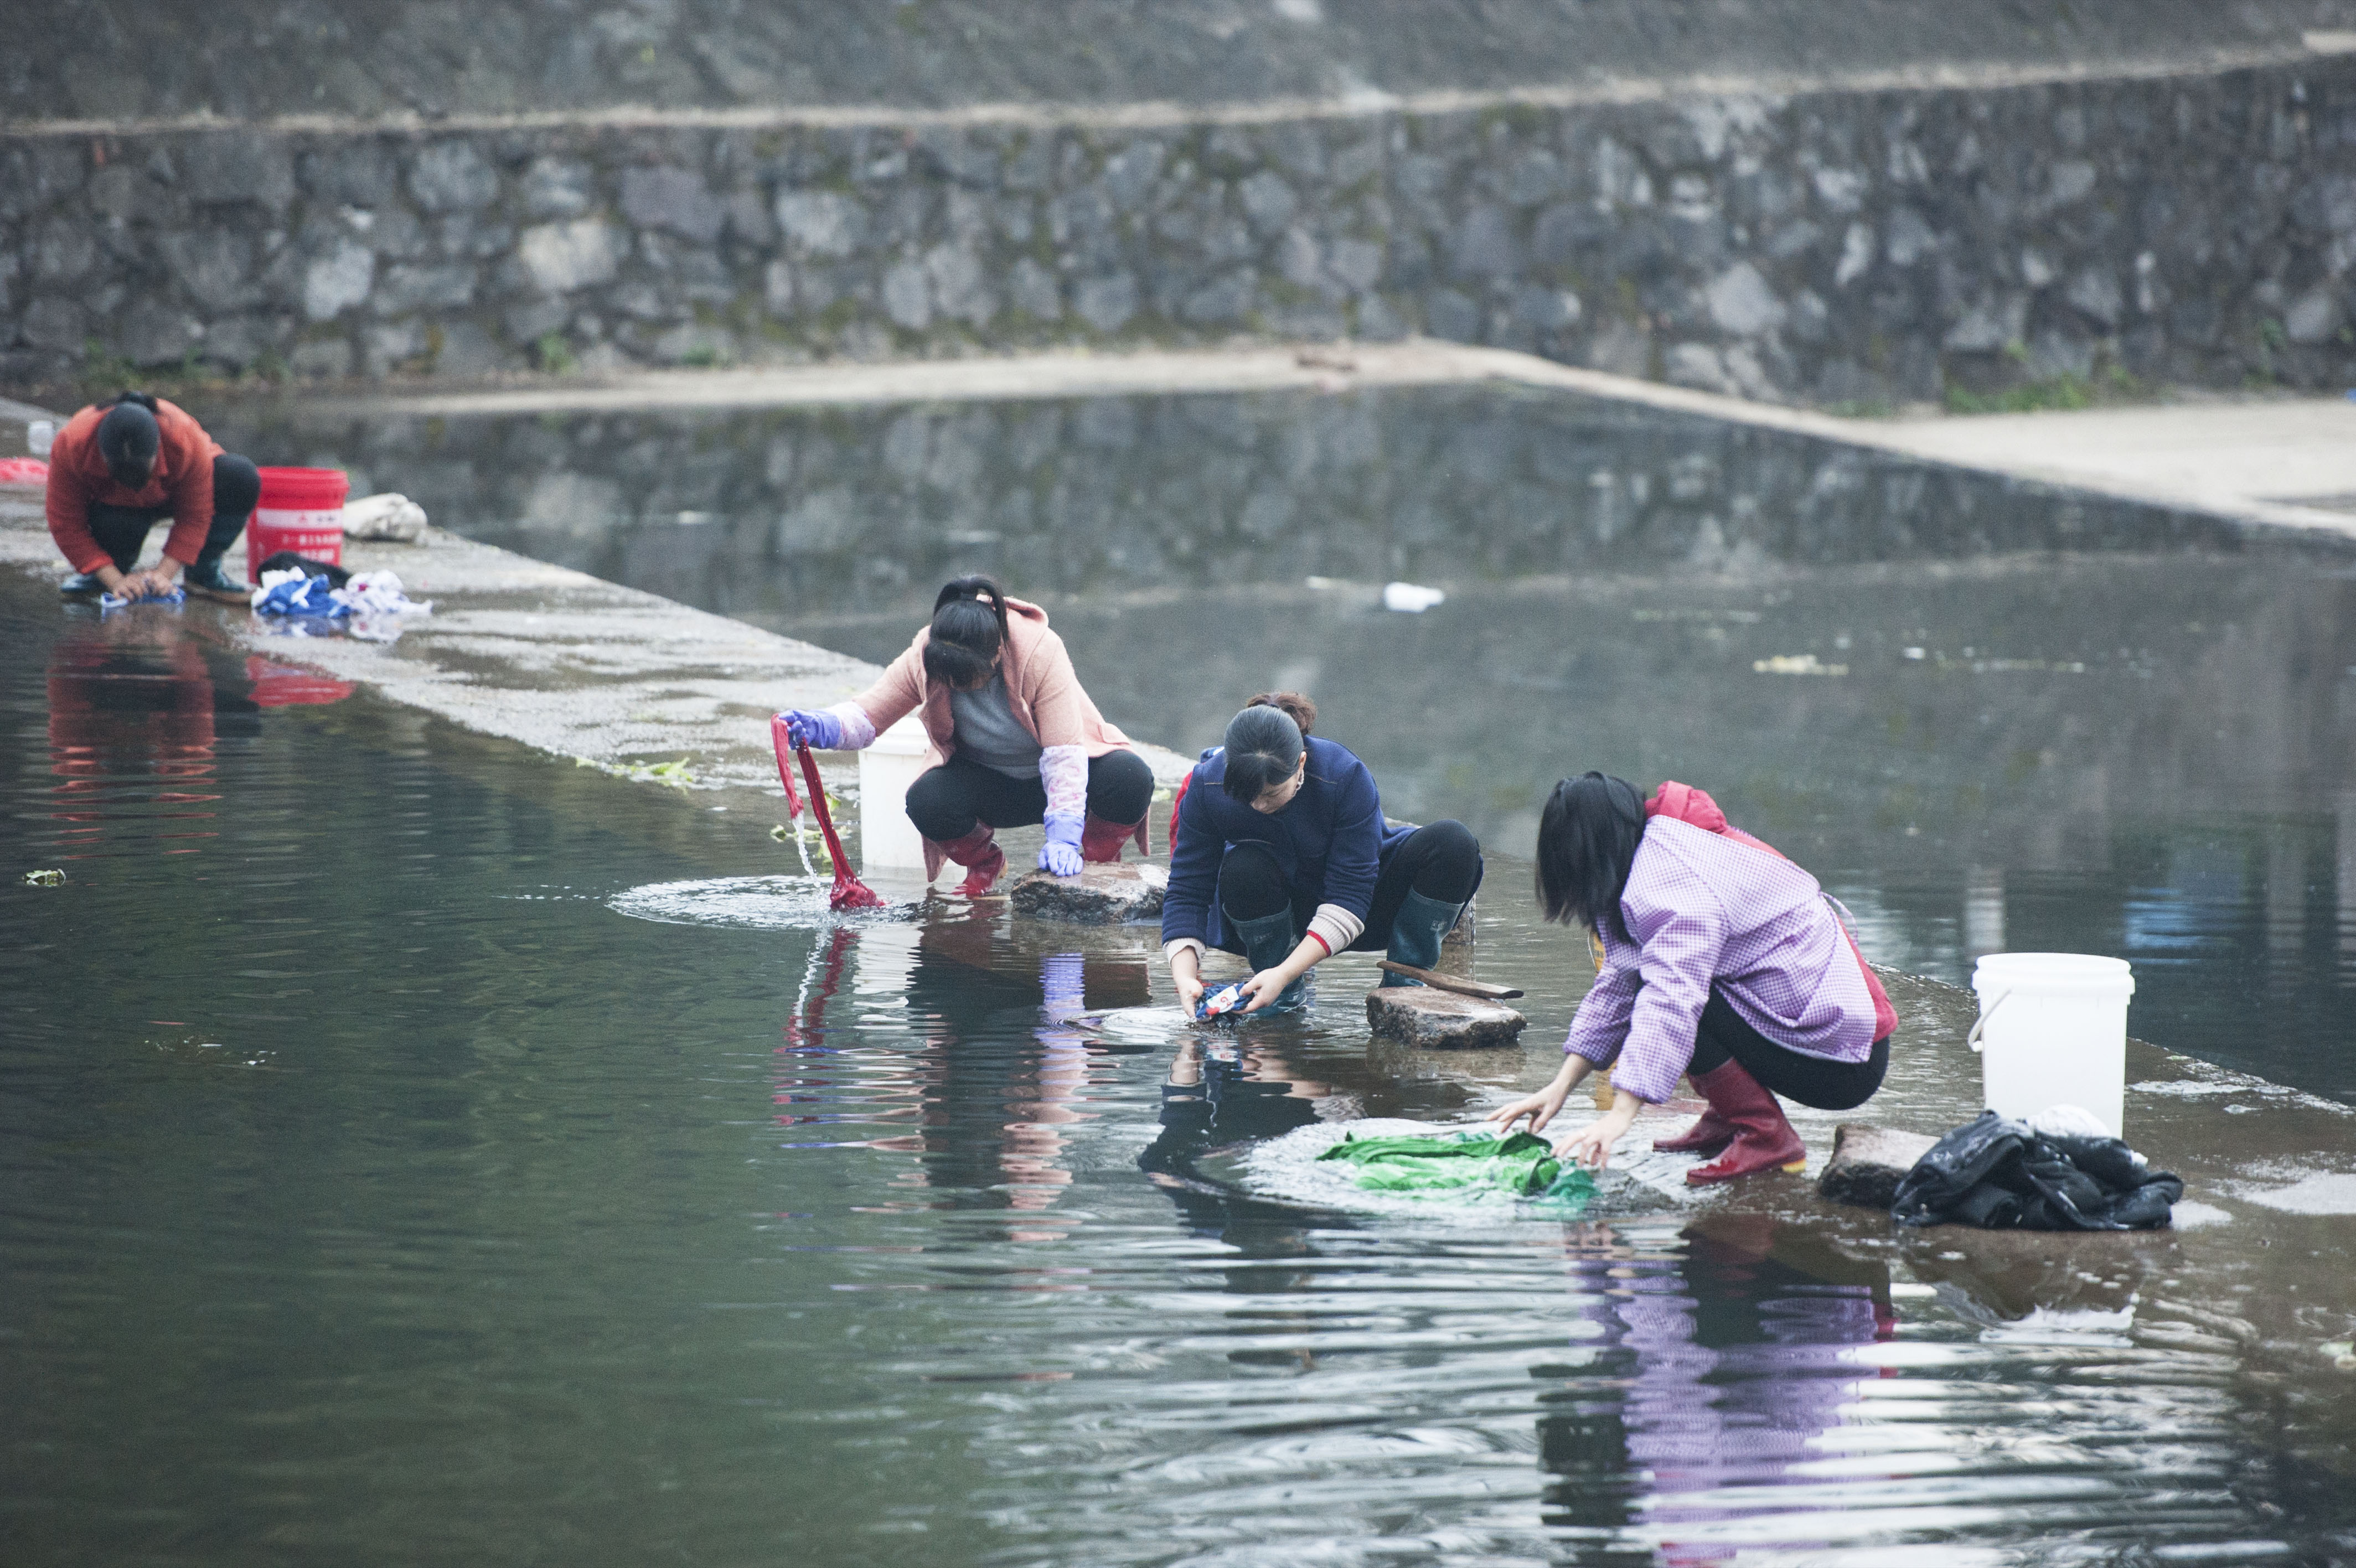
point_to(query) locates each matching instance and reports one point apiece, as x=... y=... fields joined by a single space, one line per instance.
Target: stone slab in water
x=1434 y=1019
x=1868 y=1162
x=1099 y=895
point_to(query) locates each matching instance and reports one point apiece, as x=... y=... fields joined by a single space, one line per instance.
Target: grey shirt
x=987 y=731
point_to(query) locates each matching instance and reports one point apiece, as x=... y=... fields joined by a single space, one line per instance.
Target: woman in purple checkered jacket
x=1721 y=960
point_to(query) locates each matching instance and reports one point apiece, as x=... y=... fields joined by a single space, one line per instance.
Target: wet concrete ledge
x=2262 y=1241
x=555 y=660
x=578 y=666
x=1988 y=75
x=2273 y=463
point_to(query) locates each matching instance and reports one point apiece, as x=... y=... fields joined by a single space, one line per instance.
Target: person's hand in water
x=1185 y=974
x=1547 y=1104
x=1540 y=1108
x=137 y=585
x=1591 y=1144
x=1265 y=986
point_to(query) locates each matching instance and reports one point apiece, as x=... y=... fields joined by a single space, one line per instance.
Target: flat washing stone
x=1099 y=895
x=1868 y=1162
x=1434 y=1019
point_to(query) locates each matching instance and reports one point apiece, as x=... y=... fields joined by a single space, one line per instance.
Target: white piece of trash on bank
x=1412 y=598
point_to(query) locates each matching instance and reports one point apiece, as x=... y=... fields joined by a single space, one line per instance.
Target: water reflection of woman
x=1014 y=740
x=1715 y=1373
x=1722 y=960
x=1281 y=853
x=1225 y=1092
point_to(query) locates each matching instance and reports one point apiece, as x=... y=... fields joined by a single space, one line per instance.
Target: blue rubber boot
x=1268 y=942
x=1422 y=924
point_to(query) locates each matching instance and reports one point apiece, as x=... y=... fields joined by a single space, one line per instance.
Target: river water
x=373 y=1190
x=1991 y=718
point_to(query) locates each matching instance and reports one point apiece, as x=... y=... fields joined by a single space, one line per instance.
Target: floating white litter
x=1413 y=598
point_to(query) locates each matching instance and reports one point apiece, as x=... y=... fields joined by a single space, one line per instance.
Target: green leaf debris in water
x=804 y=838
x=678 y=774
x=45 y=879
x=1467 y=1164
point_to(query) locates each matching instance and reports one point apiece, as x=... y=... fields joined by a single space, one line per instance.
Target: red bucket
x=301 y=509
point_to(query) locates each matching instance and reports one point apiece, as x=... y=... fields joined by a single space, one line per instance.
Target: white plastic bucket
x=2052 y=1030
x=888 y=841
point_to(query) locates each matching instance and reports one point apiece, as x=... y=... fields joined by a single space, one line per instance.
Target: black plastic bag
x=280 y=560
x=2003 y=1175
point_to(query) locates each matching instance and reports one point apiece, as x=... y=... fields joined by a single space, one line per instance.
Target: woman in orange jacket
x=121 y=466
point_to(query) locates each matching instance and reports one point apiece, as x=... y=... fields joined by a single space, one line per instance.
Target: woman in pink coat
x=1014 y=740
x=1721 y=960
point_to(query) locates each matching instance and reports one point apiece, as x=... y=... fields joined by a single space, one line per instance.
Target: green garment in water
x=1467 y=1164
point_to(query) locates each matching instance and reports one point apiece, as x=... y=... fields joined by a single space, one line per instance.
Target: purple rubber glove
x=820 y=731
x=1060 y=855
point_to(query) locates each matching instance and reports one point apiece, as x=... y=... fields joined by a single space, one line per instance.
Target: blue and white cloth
x=289 y=592
x=373 y=600
x=113 y=600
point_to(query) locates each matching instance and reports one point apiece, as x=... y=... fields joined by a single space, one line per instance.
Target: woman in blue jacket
x=1280 y=853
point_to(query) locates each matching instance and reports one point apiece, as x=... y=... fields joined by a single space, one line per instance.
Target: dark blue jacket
x=1329 y=839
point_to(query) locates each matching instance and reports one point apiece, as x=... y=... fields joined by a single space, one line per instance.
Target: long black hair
x=1264 y=745
x=969 y=628
x=1587 y=843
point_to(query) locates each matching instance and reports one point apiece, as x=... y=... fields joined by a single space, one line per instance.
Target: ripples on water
x=751 y=903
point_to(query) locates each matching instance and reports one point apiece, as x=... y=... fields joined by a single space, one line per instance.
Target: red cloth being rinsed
x=849 y=892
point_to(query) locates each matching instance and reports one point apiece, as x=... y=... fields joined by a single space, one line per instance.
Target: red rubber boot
x=1101 y=841
x=1708 y=1134
x=1763 y=1139
x=982 y=859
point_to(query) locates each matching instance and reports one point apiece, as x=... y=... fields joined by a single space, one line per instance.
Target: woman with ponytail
x=1721 y=960
x=1281 y=853
x=1014 y=740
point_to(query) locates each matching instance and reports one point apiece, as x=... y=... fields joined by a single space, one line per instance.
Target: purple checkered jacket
x=1704 y=909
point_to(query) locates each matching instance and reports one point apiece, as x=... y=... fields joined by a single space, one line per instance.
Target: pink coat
x=1042 y=689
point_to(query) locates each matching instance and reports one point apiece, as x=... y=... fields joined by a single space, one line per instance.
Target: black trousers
x=1440 y=862
x=948 y=802
x=122 y=531
x=1796 y=1076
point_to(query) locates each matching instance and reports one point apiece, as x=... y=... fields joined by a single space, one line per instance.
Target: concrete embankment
x=2279 y=463
x=577 y=667
x=1864 y=234
x=2249 y=1277
x=555 y=660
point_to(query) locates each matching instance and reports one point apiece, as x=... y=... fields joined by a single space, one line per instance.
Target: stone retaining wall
x=1838 y=248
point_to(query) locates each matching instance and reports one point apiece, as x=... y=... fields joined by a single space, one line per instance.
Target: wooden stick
x=1455 y=982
